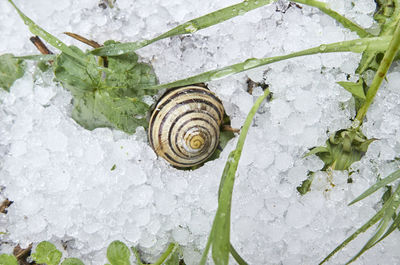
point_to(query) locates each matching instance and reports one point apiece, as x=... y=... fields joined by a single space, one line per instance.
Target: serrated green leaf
x=356 y=89
x=128 y=75
x=8 y=260
x=124 y=113
x=85 y=114
x=77 y=76
x=47 y=253
x=11 y=69
x=72 y=261
x=118 y=253
x=342 y=149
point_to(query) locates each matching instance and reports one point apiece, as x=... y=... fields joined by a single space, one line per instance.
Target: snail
x=185 y=125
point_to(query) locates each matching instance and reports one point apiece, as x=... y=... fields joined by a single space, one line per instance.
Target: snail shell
x=184 y=126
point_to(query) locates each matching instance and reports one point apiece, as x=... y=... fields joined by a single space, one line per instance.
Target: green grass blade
x=237 y=257
x=378 y=216
x=137 y=256
x=393 y=226
x=380 y=184
x=381 y=72
x=166 y=254
x=221 y=235
x=53 y=41
x=204 y=256
x=393 y=204
x=37 y=57
x=357 y=45
x=191 y=26
x=339 y=18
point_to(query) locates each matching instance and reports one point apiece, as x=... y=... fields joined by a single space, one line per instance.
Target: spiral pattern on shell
x=184 y=126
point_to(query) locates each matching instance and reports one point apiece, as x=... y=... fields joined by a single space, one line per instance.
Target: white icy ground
x=59 y=174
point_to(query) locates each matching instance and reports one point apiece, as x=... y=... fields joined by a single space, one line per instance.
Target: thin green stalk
x=221 y=234
x=137 y=256
x=237 y=257
x=36 y=30
x=380 y=73
x=204 y=256
x=357 y=45
x=166 y=254
x=188 y=27
x=339 y=18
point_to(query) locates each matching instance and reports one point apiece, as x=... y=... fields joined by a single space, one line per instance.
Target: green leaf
x=224 y=138
x=356 y=89
x=306 y=184
x=8 y=260
x=316 y=150
x=191 y=26
x=380 y=184
x=342 y=149
x=127 y=75
x=118 y=253
x=72 y=261
x=46 y=253
x=125 y=113
x=77 y=76
x=11 y=69
x=85 y=114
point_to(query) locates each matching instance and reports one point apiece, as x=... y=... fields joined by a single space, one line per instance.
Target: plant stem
x=357 y=45
x=221 y=226
x=53 y=41
x=380 y=73
x=339 y=18
x=237 y=257
x=188 y=27
x=165 y=255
